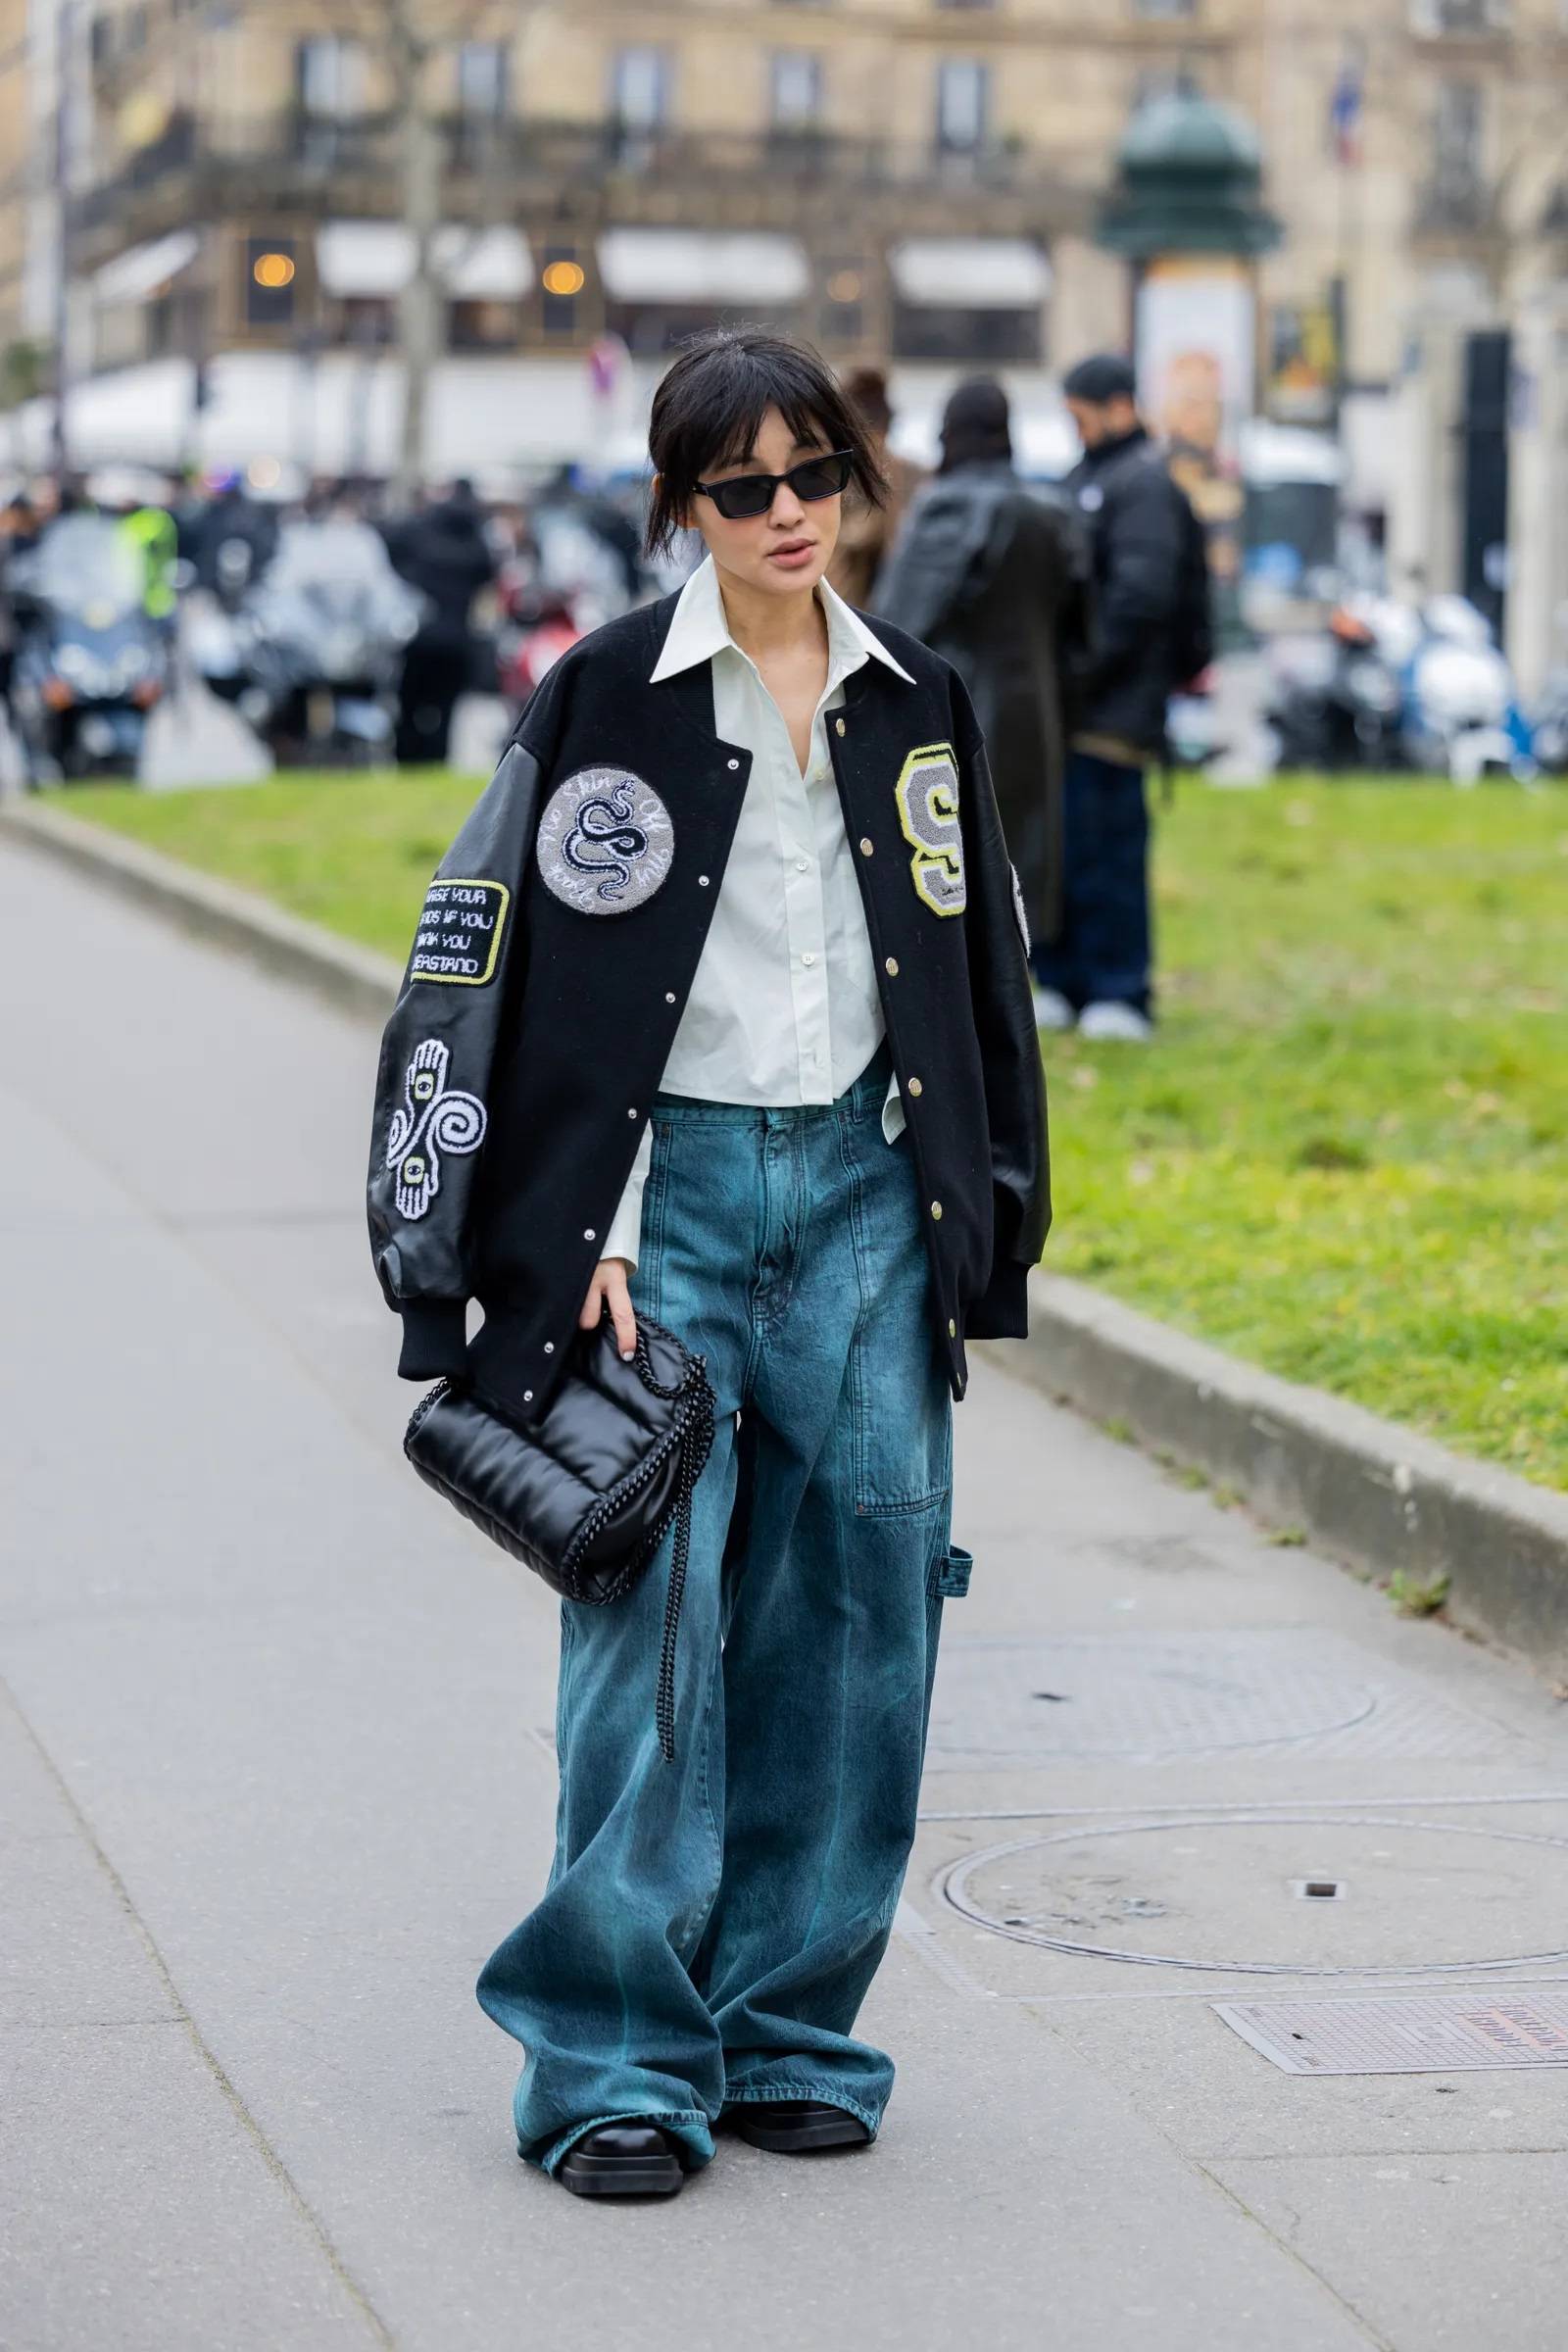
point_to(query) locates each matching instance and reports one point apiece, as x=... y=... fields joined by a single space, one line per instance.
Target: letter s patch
x=928 y=814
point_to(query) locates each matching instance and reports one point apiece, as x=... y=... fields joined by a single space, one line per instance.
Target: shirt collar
x=698 y=630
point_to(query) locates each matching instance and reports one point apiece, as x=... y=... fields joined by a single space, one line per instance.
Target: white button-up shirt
x=784 y=1008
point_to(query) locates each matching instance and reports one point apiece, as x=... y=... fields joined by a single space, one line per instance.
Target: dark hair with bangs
x=709 y=408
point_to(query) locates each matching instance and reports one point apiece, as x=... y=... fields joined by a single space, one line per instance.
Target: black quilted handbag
x=584 y=1495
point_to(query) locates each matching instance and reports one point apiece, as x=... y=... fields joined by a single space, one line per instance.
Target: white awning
x=363 y=258
x=688 y=265
x=483 y=264
x=375 y=258
x=971 y=273
x=146 y=268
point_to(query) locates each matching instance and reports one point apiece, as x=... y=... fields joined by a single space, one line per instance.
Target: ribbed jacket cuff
x=435 y=1343
x=1002 y=1311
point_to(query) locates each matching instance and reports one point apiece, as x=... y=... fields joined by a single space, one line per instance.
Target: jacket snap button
x=527 y=1395
x=703 y=881
x=890 y=967
x=632 y=1114
x=867 y=845
x=588 y=1234
x=936 y=1208
x=734 y=763
x=669 y=995
x=953 y=1329
x=838 y=726
x=915 y=1088
x=550 y=1347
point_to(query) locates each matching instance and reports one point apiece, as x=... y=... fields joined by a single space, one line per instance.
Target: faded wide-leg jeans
x=710 y=1926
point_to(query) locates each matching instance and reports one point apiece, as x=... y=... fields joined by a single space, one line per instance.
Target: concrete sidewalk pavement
x=277 y=1773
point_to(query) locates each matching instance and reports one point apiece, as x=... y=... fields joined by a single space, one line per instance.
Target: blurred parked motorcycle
x=90 y=663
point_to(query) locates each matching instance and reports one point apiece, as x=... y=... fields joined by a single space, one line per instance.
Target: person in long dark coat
x=991 y=575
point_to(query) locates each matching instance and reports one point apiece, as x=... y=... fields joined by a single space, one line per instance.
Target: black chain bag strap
x=584 y=1495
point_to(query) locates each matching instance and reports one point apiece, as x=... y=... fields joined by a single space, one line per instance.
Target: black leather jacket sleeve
x=437 y=1056
x=1010 y=1043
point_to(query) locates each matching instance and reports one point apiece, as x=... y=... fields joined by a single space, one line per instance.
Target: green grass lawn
x=1347 y=1155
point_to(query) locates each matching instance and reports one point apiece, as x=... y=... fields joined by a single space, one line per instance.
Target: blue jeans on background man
x=1102 y=955
x=710 y=1926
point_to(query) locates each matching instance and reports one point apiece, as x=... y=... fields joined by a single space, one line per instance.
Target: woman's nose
x=786 y=509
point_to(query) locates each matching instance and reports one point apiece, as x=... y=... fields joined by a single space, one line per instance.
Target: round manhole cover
x=1420 y=1898
x=1166 y=1695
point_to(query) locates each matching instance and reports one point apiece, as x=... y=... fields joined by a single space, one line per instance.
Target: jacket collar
x=699 y=629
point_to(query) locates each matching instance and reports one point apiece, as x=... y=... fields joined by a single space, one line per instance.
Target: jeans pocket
x=952 y=1572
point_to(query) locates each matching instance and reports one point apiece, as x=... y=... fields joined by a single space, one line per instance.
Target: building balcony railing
x=212 y=165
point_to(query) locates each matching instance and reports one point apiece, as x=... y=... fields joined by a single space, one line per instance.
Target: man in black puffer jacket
x=1141 y=530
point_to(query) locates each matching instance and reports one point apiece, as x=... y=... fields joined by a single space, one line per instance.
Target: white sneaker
x=1052 y=1009
x=1116 y=1024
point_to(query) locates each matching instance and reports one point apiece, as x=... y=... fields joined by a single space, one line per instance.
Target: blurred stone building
x=914 y=179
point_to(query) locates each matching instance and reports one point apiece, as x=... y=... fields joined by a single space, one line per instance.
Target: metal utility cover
x=1446 y=2033
x=1145 y=1697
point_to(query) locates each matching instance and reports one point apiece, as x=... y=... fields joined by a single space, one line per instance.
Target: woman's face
x=785 y=551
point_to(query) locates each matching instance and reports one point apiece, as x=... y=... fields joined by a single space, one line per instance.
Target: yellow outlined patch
x=458 y=939
x=927 y=794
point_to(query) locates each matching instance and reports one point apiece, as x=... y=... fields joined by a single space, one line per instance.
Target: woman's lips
x=793 y=554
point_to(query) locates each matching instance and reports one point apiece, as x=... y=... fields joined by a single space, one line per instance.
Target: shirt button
x=867 y=845
x=803 y=866
x=936 y=1210
x=890 y=967
x=914 y=1087
x=807 y=957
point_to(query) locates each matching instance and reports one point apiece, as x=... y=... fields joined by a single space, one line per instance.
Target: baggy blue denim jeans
x=710 y=1926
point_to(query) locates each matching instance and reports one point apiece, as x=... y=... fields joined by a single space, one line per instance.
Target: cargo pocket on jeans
x=949 y=1573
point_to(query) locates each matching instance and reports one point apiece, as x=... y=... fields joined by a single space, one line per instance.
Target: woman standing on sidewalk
x=746 y=1015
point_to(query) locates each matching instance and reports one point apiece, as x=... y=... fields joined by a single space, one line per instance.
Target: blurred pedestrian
x=443 y=550
x=683 y=1062
x=1148 y=635
x=868 y=530
x=988 y=574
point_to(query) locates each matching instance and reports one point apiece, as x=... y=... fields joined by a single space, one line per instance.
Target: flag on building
x=1344 y=112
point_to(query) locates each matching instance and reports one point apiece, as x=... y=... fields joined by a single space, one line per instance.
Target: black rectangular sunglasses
x=751 y=494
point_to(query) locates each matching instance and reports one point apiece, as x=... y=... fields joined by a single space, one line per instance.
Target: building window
x=329 y=78
x=1456 y=131
x=639 y=89
x=963 y=105
x=482 y=327
x=483 y=78
x=1163 y=11
x=1459 y=17
x=795 y=89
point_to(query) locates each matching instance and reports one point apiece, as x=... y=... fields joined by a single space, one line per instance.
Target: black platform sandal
x=633 y=2159
x=799 y=2127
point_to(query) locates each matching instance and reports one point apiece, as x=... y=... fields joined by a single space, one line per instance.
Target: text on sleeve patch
x=458 y=939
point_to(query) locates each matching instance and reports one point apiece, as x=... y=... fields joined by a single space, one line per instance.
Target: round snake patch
x=606 y=841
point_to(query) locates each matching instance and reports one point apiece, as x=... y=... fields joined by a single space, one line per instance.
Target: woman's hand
x=609 y=1289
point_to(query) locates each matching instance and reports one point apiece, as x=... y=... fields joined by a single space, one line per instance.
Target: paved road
x=276 y=1774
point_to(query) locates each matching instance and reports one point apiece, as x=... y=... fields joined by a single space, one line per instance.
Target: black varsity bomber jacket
x=553 y=956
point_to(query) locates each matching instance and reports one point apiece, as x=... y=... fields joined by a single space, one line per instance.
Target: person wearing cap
x=991 y=576
x=1094 y=969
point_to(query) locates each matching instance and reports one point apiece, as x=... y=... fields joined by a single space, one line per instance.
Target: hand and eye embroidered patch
x=433 y=1118
x=606 y=842
x=458 y=939
x=927 y=794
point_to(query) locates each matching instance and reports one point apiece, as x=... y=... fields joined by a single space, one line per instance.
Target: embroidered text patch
x=606 y=841
x=928 y=813
x=458 y=939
